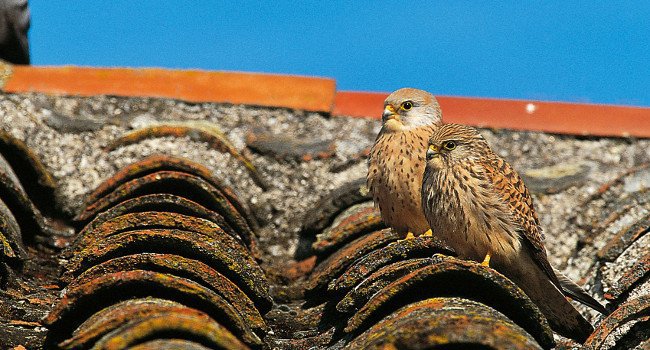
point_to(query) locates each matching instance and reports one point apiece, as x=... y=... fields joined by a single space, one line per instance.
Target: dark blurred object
x=14 y=23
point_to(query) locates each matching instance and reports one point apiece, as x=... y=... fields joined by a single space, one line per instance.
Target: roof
x=320 y=95
x=110 y=193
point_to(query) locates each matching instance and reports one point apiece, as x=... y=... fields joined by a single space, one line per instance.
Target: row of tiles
x=165 y=248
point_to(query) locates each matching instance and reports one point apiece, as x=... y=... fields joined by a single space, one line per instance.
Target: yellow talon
x=409 y=235
x=428 y=233
x=486 y=261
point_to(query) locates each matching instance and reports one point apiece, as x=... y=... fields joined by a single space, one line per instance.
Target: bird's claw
x=429 y=233
x=486 y=261
x=409 y=235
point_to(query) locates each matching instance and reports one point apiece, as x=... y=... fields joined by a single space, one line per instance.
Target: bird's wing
x=511 y=189
x=576 y=292
x=372 y=162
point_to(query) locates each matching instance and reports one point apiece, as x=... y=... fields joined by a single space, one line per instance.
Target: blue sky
x=582 y=51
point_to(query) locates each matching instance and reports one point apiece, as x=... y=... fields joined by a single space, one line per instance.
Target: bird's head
x=453 y=144
x=410 y=108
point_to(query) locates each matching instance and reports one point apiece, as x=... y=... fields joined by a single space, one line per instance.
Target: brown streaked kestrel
x=396 y=162
x=477 y=203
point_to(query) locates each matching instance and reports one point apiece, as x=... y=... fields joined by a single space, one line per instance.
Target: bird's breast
x=464 y=213
x=395 y=171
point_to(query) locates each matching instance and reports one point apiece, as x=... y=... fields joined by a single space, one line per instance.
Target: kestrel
x=396 y=163
x=477 y=203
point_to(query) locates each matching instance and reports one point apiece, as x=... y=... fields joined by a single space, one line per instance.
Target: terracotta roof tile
x=307 y=93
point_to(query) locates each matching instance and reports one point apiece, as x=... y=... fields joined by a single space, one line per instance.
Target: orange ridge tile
x=319 y=94
x=296 y=92
x=553 y=117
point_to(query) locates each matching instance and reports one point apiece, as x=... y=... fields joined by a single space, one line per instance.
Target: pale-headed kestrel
x=478 y=204
x=396 y=162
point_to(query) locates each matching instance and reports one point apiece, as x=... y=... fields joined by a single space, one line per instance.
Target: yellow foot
x=427 y=234
x=409 y=235
x=486 y=261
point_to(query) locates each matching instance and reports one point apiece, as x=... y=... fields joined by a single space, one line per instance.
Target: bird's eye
x=407 y=105
x=449 y=145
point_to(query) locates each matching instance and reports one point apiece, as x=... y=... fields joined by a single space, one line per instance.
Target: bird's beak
x=390 y=113
x=433 y=152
